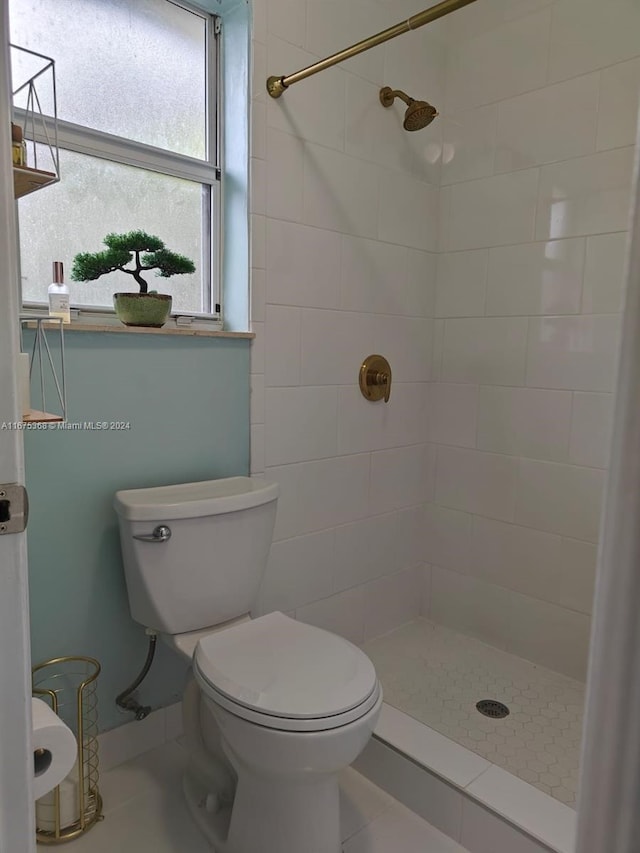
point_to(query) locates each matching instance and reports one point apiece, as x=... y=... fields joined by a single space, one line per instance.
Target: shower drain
x=491 y=708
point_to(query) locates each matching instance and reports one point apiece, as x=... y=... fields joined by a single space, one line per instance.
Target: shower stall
x=452 y=532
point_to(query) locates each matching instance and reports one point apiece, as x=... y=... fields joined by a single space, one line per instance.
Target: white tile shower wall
x=539 y=125
x=484 y=258
x=344 y=265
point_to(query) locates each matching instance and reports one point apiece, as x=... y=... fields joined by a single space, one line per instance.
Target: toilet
x=274 y=708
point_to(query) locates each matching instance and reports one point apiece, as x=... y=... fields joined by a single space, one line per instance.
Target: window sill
x=196 y=330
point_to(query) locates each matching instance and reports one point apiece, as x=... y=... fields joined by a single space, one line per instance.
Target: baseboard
x=133 y=738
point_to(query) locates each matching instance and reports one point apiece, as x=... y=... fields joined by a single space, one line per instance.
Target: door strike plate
x=14 y=508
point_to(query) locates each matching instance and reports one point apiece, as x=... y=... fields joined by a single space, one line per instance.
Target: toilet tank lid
x=193 y=500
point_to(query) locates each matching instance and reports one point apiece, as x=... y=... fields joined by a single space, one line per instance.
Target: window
x=137 y=106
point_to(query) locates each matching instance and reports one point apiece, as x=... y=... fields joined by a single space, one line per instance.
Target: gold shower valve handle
x=375 y=378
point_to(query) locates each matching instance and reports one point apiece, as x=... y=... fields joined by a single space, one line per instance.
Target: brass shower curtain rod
x=276 y=86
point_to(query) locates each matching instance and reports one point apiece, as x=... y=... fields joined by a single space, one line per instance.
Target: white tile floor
x=436 y=676
x=144 y=811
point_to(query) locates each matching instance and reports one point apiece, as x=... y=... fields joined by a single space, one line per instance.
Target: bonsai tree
x=137 y=248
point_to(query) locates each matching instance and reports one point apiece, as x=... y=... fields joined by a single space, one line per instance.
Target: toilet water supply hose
x=125 y=700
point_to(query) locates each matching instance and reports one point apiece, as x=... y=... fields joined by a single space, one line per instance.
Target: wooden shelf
x=26 y=180
x=36 y=417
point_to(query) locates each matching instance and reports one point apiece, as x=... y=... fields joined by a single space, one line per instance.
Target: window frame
x=206 y=172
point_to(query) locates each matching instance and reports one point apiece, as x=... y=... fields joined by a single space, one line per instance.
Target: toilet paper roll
x=54 y=748
x=69 y=804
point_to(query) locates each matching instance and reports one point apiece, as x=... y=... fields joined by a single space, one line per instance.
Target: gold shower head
x=419 y=114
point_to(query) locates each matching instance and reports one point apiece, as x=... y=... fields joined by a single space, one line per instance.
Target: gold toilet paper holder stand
x=68 y=685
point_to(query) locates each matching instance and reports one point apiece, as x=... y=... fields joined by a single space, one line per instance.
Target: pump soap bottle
x=59 y=295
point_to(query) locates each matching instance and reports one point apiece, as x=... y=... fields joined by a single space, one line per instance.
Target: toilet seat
x=286 y=724
x=283 y=674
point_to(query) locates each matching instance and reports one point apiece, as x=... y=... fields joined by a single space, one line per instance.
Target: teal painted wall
x=187 y=400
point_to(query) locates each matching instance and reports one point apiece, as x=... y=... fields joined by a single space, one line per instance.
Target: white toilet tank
x=208 y=568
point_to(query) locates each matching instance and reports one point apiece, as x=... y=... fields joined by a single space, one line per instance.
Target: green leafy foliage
x=168 y=263
x=89 y=267
x=123 y=249
x=134 y=241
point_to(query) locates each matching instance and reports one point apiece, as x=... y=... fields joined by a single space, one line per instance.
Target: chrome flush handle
x=161 y=533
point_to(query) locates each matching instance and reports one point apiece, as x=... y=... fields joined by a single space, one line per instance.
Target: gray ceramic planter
x=142 y=309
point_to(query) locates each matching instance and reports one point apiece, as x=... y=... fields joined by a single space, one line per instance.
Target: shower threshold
x=522 y=766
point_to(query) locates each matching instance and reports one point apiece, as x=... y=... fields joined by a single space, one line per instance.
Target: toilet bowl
x=275 y=708
x=294 y=705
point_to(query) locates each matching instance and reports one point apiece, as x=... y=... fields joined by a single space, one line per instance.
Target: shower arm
x=276 y=86
x=391 y=94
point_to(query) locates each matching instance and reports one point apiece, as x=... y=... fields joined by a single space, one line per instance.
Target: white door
x=17 y=831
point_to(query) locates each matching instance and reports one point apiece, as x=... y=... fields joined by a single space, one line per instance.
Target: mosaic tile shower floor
x=437 y=675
